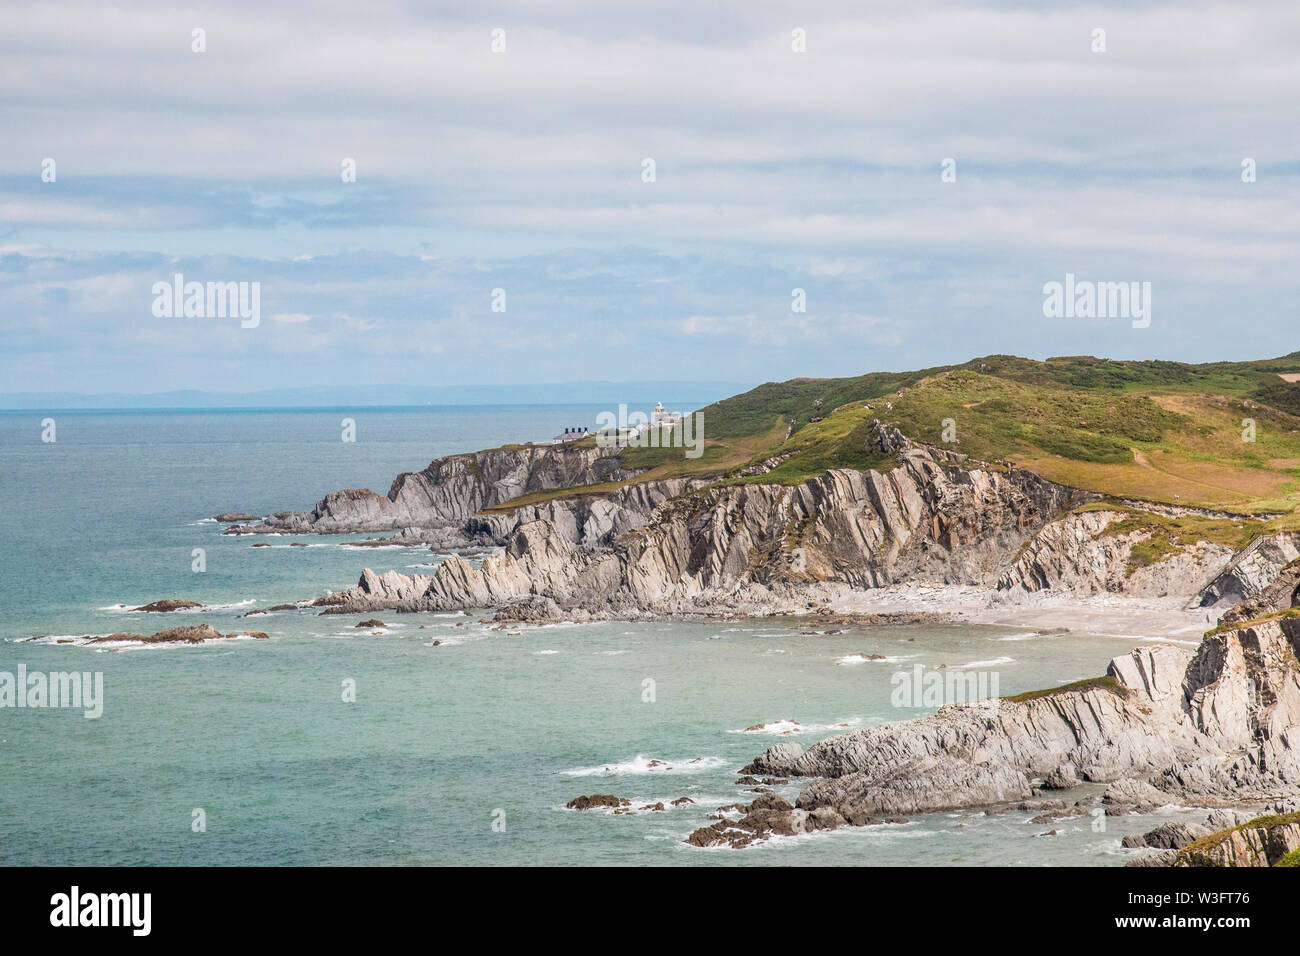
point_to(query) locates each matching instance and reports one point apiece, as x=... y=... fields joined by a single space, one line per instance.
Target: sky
x=524 y=169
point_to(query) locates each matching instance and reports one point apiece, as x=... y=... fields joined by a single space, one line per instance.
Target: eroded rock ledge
x=1165 y=725
x=436 y=504
x=934 y=517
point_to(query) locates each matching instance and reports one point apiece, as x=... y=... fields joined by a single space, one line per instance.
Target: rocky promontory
x=1164 y=725
x=436 y=503
x=682 y=546
x=933 y=516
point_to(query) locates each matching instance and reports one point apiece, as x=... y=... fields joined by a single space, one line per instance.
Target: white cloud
x=522 y=170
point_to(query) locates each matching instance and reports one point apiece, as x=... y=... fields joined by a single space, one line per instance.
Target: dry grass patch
x=1133 y=480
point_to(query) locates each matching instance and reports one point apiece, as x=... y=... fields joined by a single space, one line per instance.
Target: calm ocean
x=442 y=741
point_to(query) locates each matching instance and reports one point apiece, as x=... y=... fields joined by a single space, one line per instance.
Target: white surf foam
x=130 y=608
x=851 y=659
x=993 y=663
x=792 y=728
x=641 y=764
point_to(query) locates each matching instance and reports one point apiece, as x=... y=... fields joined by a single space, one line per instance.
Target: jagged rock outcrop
x=1077 y=554
x=1167 y=836
x=1252 y=570
x=976 y=755
x=1223 y=722
x=930 y=518
x=1280 y=594
x=771 y=815
x=1264 y=841
x=452 y=489
x=585 y=519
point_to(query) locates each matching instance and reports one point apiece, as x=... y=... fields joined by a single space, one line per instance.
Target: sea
x=436 y=738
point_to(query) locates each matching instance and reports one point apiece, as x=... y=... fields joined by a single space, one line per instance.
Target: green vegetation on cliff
x=1202 y=851
x=1159 y=431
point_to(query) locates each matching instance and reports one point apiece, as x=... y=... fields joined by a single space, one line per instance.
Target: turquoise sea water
x=491 y=726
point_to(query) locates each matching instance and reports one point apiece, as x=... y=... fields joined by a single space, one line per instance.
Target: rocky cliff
x=1079 y=554
x=584 y=519
x=933 y=517
x=1168 y=724
x=1272 y=840
x=683 y=543
x=1256 y=568
x=451 y=490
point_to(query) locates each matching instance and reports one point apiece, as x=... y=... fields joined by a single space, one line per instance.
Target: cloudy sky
x=523 y=170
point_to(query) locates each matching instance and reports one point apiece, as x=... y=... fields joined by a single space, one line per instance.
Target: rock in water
x=193 y=634
x=771 y=815
x=167 y=604
x=597 y=800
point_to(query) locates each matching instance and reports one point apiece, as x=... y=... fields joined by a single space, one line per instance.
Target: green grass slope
x=1153 y=430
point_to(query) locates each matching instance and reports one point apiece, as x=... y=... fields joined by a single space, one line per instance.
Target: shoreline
x=1098 y=615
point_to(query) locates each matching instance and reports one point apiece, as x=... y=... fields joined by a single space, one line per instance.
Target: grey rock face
x=1133 y=796
x=1252 y=570
x=982 y=754
x=1063 y=777
x=1168 y=836
x=927 y=519
x=1260 y=842
x=452 y=489
x=1077 y=554
x=1278 y=595
x=587 y=520
x=1163 y=858
x=1221 y=722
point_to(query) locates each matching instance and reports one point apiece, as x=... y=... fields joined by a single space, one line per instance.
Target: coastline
x=1108 y=615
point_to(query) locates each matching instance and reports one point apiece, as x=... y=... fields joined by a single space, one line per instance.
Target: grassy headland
x=1157 y=431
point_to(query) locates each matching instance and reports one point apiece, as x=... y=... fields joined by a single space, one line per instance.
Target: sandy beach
x=1100 y=615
